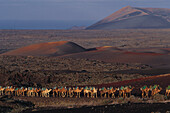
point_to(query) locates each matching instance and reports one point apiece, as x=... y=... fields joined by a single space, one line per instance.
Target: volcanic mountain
x=157 y=57
x=47 y=49
x=134 y=17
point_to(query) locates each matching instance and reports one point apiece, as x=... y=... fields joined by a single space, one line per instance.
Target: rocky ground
x=51 y=72
x=85 y=105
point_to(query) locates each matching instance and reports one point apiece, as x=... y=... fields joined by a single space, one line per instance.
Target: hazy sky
x=69 y=9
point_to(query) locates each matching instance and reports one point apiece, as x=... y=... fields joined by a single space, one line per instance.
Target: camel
x=63 y=91
x=155 y=90
x=111 y=91
x=1 y=90
x=121 y=91
x=77 y=90
x=94 y=92
x=145 y=91
x=70 y=92
x=103 y=91
x=20 y=91
x=87 y=91
x=36 y=91
x=30 y=91
x=128 y=90
x=55 y=91
x=9 y=90
x=167 y=91
x=45 y=92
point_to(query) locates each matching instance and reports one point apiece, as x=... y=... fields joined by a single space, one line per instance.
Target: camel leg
x=113 y=95
x=142 y=94
x=108 y=95
x=105 y=95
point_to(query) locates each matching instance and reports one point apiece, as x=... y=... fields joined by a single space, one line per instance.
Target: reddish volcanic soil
x=162 y=80
x=48 y=49
x=155 y=57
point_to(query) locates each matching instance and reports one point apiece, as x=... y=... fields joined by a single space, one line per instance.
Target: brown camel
x=121 y=91
x=77 y=90
x=111 y=91
x=145 y=91
x=70 y=92
x=103 y=91
x=56 y=92
x=9 y=90
x=167 y=91
x=155 y=90
x=1 y=90
x=30 y=91
x=94 y=92
x=63 y=92
x=45 y=92
x=87 y=91
x=128 y=90
x=36 y=91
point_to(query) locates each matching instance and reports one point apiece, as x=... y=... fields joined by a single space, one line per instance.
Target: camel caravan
x=93 y=92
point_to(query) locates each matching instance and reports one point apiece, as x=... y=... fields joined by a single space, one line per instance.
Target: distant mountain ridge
x=134 y=17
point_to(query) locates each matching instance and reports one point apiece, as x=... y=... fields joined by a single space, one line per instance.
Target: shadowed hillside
x=133 y=17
